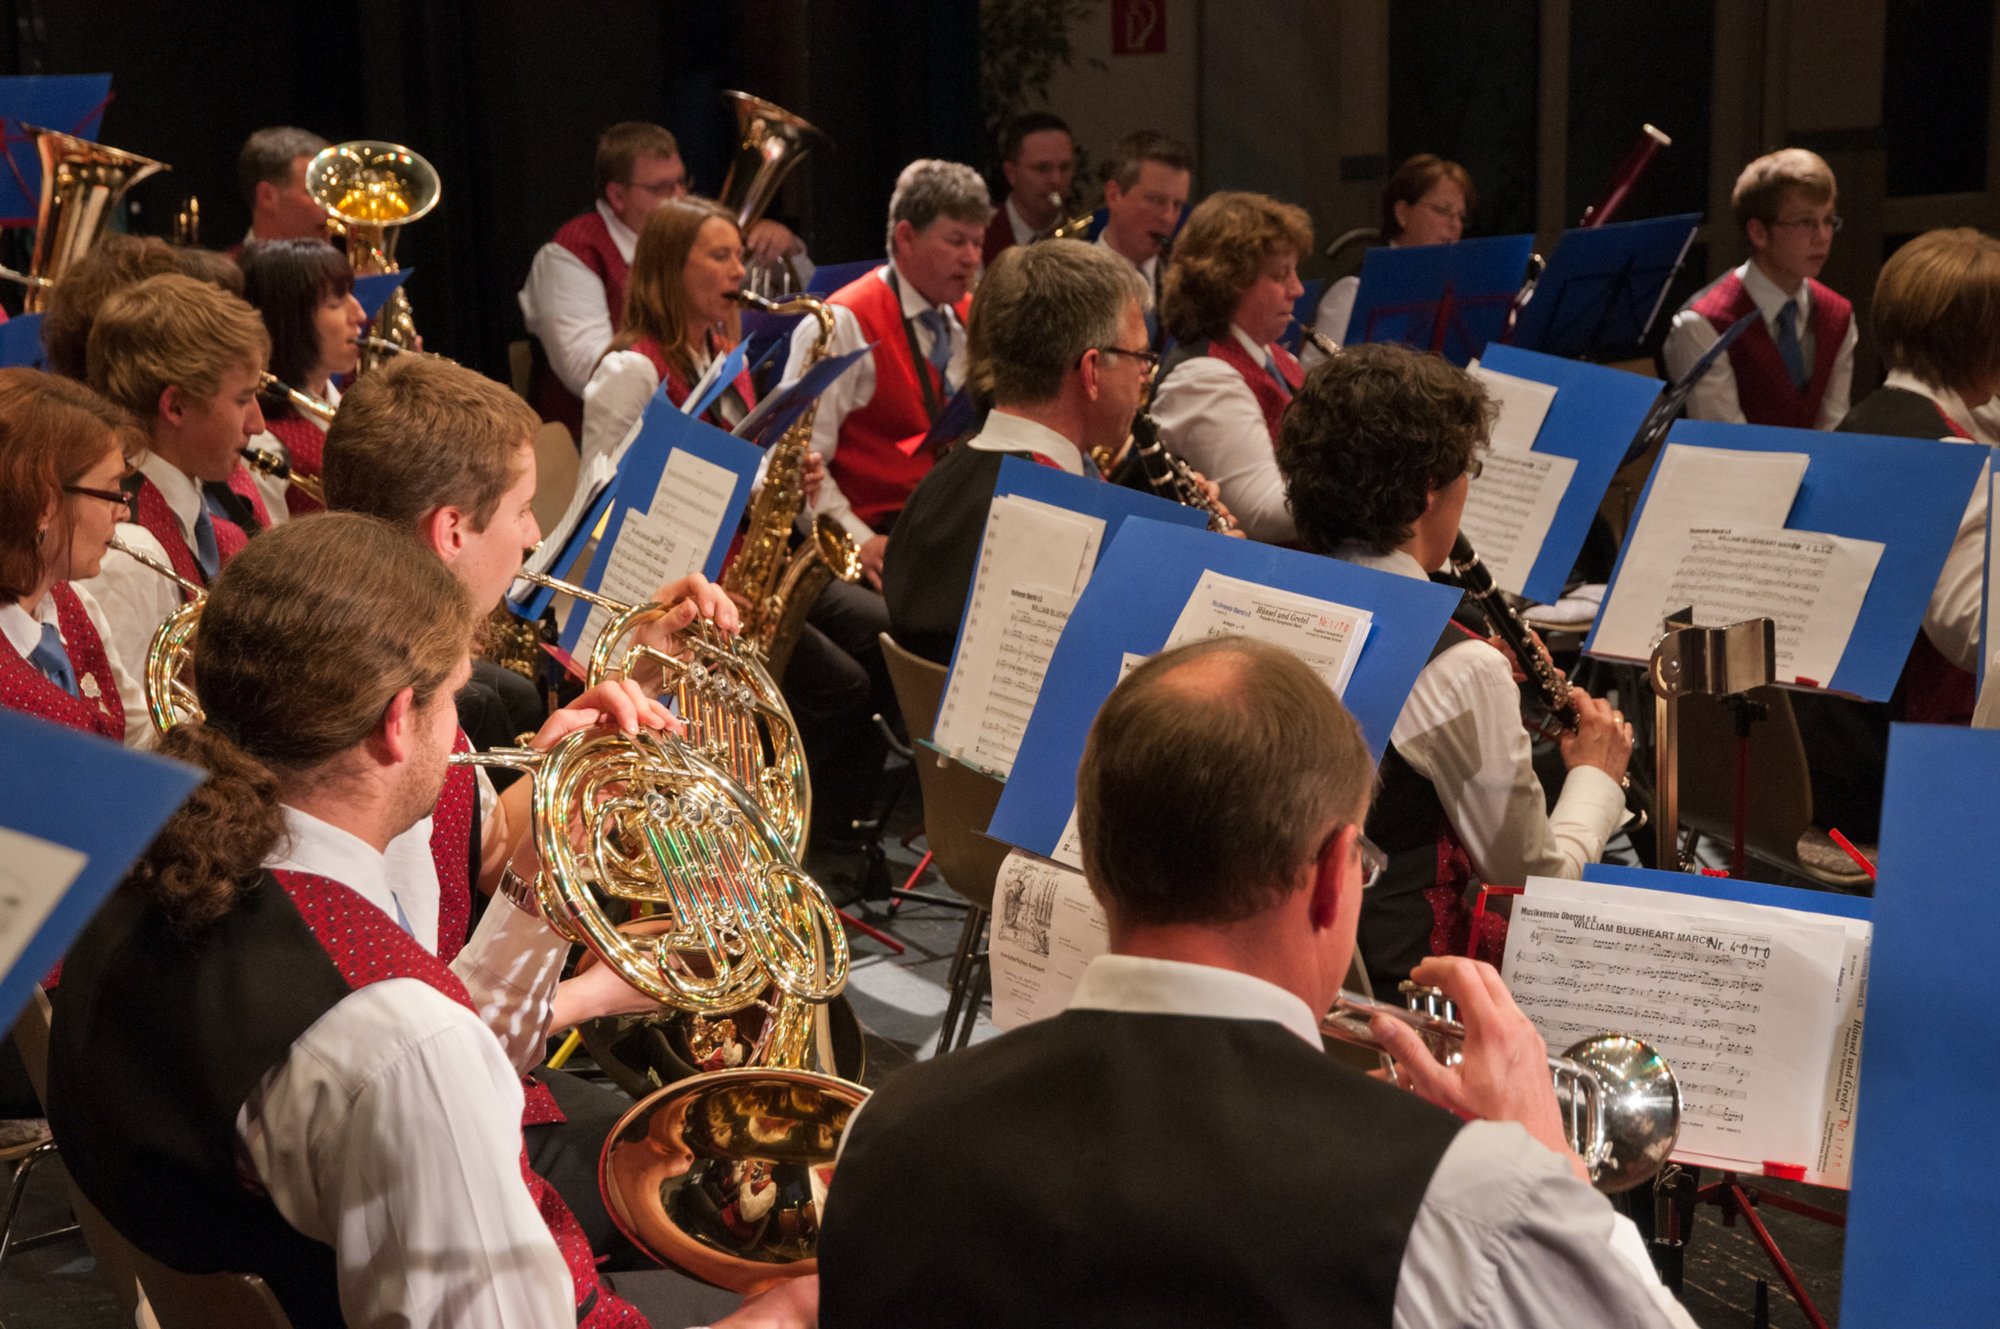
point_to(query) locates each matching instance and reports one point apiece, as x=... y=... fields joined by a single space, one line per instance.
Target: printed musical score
x=1509 y=508
x=669 y=539
x=1327 y=636
x=1523 y=405
x=1808 y=584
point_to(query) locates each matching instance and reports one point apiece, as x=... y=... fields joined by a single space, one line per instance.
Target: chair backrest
x=919 y=685
x=556 y=465
x=1780 y=797
x=958 y=807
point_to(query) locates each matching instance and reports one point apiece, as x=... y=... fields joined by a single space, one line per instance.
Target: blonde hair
x=1937 y=310
x=656 y=302
x=171 y=331
x=1760 y=189
x=1219 y=253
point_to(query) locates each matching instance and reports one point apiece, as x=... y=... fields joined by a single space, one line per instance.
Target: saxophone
x=776 y=583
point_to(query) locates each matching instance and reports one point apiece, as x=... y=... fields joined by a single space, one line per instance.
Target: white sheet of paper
x=1069 y=849
x=1033 y=563
x=1327 y=636
x=1524 y=405
x=1693 y=488
x=34 y=874
x=1509 y=508
x=1046 y=928
x=669 y=539
x=1747 y=1005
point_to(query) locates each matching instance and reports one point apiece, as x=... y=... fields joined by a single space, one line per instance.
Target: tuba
x=369 y=189
x=82 y=185
x=770 y=141
x=778 y=583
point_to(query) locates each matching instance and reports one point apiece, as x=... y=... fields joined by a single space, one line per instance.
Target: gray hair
x=929 y=188
x=268 y=154
x=1040 y=307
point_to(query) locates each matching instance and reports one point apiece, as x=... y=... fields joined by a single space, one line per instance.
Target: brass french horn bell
x=370 y=190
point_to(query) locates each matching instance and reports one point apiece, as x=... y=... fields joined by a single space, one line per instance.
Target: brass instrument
x=1073 y=228
x=169 y=675
x=187 y=222
x=776 y=582
x=770 y=142
x=370 y=189
x=1620 y=1103
x=270 y=463
x=82 y=185
x=304 y=402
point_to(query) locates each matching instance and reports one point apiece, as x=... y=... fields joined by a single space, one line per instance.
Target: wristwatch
x=519 y=891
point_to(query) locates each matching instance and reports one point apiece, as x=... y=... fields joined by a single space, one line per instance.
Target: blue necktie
x=402 y=919
x=1277 y=375
x=53 y=660
x=205 y=552
x=1789 y=349
x=940 y=352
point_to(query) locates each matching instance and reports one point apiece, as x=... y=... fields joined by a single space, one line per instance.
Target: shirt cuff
x=1590 y=797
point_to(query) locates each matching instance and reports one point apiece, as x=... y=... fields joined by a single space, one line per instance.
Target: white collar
x=1261 y=354
x=22 y=627
x=622 y=235
x=1947 y=401
x=1395 y=561
x=1769 y=299
x=1143 y=986
x=913 y=299
x=1005 y=432
x=1146 y=269
x=1023 y=233
x=182 y=492
x=324 y=850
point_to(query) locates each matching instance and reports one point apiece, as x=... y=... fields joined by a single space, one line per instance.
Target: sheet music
x=1033 y=564
x=1524 y=405
x=1509 y=509
x=1047 y=927
x=1327 y=636
x=1069 y=849
x=1693 y=489
x=1809 y=584
x=1755 y=1009
x=669 y=539
x=34 y=874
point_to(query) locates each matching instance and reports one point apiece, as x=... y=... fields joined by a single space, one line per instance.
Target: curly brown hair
x=1219 y=253
x=1370 y=436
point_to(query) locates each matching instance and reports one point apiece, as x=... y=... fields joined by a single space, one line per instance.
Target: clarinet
x=1551 y=689
x=1170 y=476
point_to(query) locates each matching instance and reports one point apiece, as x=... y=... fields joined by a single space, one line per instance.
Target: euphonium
x=369 y=189
x=770 y=142
x=169 y=678
x=1620 y=1103
x=777 y=583
x=82 y=184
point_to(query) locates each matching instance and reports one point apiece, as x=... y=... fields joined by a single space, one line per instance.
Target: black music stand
x=1604 y=287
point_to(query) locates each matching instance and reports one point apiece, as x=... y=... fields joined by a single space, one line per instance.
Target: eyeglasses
x=1373 y=861
x=1148 y=358
x=112 y=496
x=669 y=188
x=1475 y=467
x=1449 y=214
x=1831 y=225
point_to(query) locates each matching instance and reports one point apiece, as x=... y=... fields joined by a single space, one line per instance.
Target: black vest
x=156 y=1044
x=1110 y=1169
x=927 y=571
x=1898 y=413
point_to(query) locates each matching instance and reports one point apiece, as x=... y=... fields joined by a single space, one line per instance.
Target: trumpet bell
x=1635 y=1097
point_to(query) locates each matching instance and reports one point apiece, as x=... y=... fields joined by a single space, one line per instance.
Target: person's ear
x=1757 y=233
x=396 y=730
x=443 y=529
x=1090 y=368
x=1335 y=872
x=1401 y=211
x=903 y=237
x=265 y=196
x=173 y=404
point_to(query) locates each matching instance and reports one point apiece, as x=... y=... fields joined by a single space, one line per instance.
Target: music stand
x=1604 y=288
x=1447 y=299
x=1668 y=408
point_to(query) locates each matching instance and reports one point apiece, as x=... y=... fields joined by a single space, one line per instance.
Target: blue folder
x=21 y=342
x=1141 y=584
x=1603 y=288
x=1906 y=493
x=1924 y=1209
x=1595 y=411
x=60 y=785
x=1451 y=299
x=68 y=103
x=374 y=289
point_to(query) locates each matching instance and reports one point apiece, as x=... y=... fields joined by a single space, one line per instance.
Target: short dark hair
x=624 y=143
x=1136 y=149
x=268 y=154
x=1209 y=780
x=1367 y=439
x=1416 y=177
x=1219 y=253
x=286 y=280
x=1024 y=124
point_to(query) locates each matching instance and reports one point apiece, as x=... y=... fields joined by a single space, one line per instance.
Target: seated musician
x=1795 y=365
x=304 y=289
x=1059 y=344
x=253 y=1066
x=271 y=171
x=113 y=263
x=183 y=359
x=63 y=455
x=1425 y=202
x=1377 y=452
x=1227 y=299
x=1038 y=161
x=1176 y=1148
x=1146 y=184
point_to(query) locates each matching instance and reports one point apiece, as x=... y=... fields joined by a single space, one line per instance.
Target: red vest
x=24 y=688
x=244 y=486
x=678 y=387
x=877 y=463
x=999 y=236
x=1764 y=388
x=150 y=510
x=452 y=822
x=1271 y=399
x=305 y=453
x=590 y=240
x=367 y=947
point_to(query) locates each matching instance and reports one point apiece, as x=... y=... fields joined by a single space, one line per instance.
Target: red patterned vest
x=1764 y=386
x=1271 y=399
x=150 y=510
x=305 y=453
x=367 y=947
x=590 y=240
x=453 y=821
x=878 y=463
x=24 y=688
x=678 y=387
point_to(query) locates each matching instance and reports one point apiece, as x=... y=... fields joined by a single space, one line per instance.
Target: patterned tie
x=1788 y=344
x=1277 y=375
x=940 y=353
x=53 y=660
x=205 y=552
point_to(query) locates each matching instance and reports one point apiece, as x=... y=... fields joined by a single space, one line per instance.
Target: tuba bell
x=770 y=142
x=369 y=189
x=82 y=185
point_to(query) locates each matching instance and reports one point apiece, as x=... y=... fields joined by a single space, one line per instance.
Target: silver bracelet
x=519 y=891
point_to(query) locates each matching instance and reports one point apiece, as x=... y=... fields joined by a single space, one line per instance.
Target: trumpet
x=1620 y=1102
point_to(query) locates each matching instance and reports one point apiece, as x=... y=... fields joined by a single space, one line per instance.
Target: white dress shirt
x=1506 y=1234
x=1149 y=271
x=22 y=628
x=1461 y=730
x=135 y=598
x=1207 y=413
x=1024 y=234
x=856 y=388
x=1007 y=432
x=271 y=488
x=1714 y=398
x=565 y=307
x=1336 y=310
x=392 y=1130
